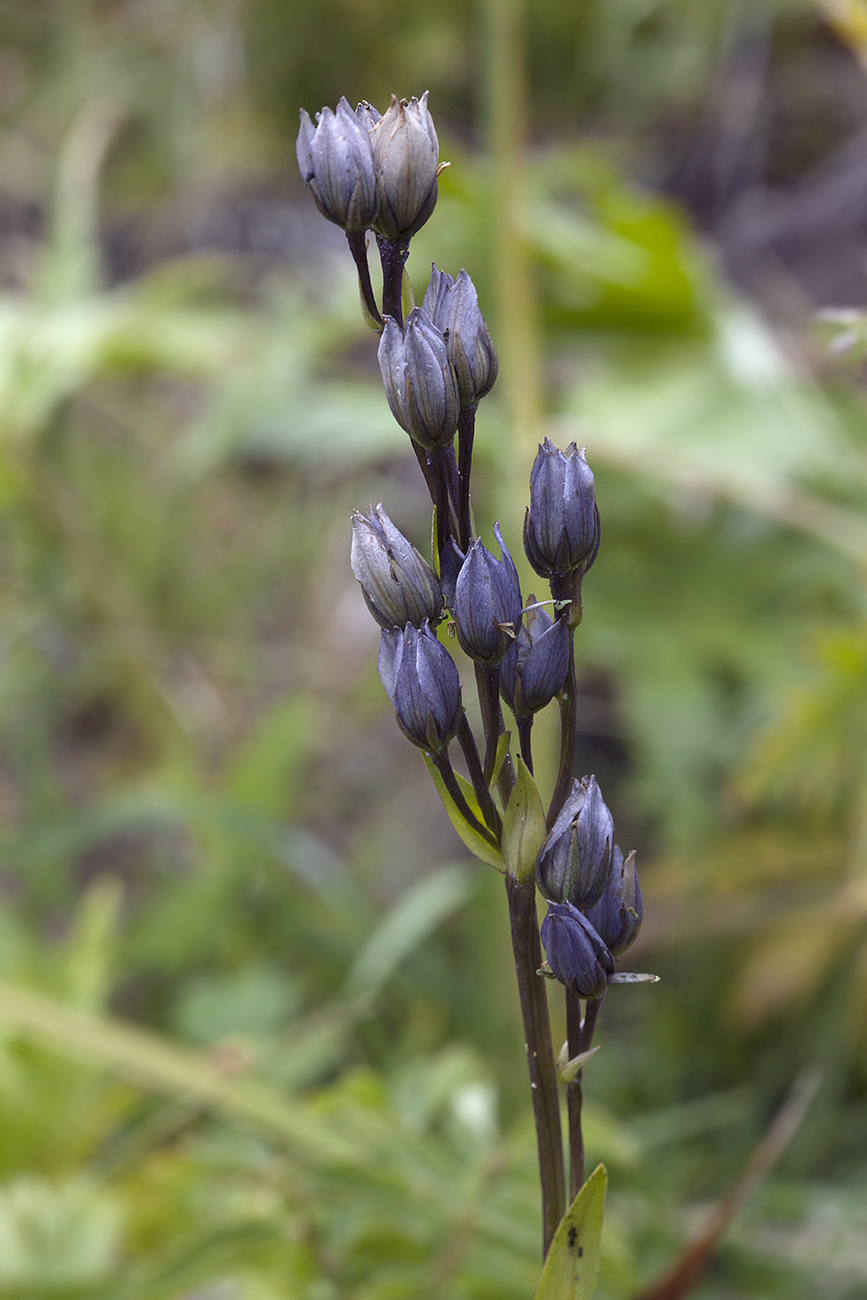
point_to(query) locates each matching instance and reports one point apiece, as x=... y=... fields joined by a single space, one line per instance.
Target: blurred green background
x=258 y=1032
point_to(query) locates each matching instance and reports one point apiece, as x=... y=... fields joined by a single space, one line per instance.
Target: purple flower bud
x=453 y=306
x=575 y=861
x=421 y=680
x=576 y=954
x=487 y=606
x=336 y=161
x=619 y=912
x=561 y=526
x=405 y=149
x=534 y=667
x=399 y=586
x=420 y=383
x=451 y=563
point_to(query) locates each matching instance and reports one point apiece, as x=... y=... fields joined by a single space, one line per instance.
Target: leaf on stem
x=566 y=1068
x=523 y=824
x=476 y=843
x=500 y=756
x=572 y=1268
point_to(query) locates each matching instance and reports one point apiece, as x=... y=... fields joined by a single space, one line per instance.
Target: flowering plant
x=438 y=361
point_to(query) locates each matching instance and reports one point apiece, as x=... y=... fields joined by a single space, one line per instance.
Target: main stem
x=540 y=1052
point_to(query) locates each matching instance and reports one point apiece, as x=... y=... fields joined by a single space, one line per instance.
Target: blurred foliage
x=257 y=1033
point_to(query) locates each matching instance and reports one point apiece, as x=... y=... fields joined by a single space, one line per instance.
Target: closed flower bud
x=405 y=149
x=561 y=526
x=618 y=915
x=421 y=680
x=451 y=563
x=453 y=306
x=576 y=954
x=534 y=667
x=336 y=161
x=575 y=861
x=398 y=584
x=487 y=606
x=420 y=383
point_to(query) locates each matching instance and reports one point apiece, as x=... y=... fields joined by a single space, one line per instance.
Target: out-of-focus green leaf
x=155 y=1064
x=421 y=909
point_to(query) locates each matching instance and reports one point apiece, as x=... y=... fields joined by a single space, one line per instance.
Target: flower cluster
x=595 y=907
x=369 y=171
x=372 y=172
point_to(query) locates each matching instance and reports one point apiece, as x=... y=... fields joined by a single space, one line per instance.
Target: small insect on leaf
x=572 y=1268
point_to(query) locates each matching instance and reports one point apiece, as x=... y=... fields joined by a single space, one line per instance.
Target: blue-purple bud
x=534 y=667
x=575 y=861
x=453 y=306
x=451 y=563
x=420 y=384
x=487 y=608
x=421 y=680
x=336 y=161
x=561 y=526
x=619 y=912
x=405 y=149
x=399 y=585
x=576 y=954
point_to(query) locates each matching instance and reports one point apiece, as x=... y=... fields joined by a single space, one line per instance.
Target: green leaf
x=415 y=915
x=500 y=756
x=572 y=1268
x=476 y=843
x=523 y=824
x=156 y=1064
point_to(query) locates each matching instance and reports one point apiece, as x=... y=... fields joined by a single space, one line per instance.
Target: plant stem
x=579 y=1034
x=444 y=767
x=568 y=718
x=488 y=684
x=466 y=434
x=439 y=467
x=392 y=254
x=467 y=742
x=357 y=240
x=525 y=731
x=540 y=1053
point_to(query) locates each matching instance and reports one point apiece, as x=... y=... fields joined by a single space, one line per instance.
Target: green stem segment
x=540 y=1052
